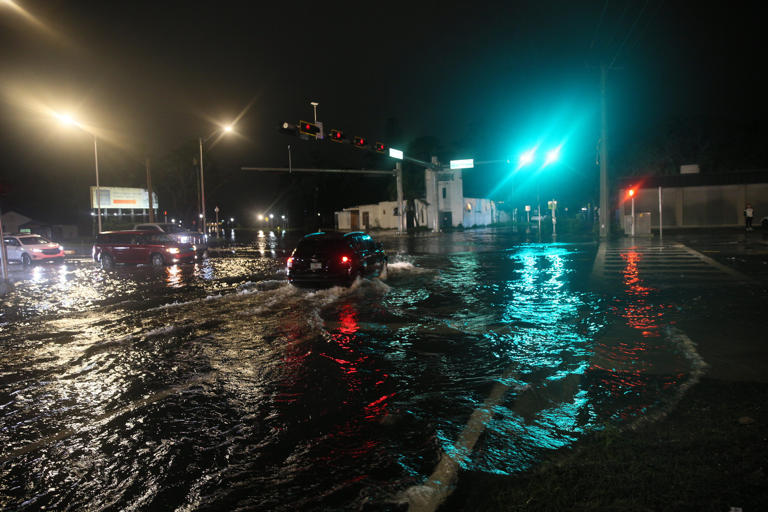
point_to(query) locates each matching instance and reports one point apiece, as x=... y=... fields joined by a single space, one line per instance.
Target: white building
x=445 y=189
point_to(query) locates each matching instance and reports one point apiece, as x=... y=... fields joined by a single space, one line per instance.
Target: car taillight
x=344 y=259
x=290 y=262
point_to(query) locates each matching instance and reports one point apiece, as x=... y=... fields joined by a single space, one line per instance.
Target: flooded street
x=219 y=386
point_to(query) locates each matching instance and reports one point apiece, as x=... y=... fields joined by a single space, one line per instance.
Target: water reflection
x=635 y=373
x=638 y=311
x=560 y=368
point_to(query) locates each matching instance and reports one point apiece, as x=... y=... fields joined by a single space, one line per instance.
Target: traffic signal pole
x=400 y=209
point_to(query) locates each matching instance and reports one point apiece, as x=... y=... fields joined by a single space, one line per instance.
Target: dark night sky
x=487 y=79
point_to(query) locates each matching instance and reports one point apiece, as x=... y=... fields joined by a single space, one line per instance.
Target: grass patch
x=709 y=454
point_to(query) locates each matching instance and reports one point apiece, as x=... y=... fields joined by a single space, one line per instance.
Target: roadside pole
x=3 y=252
x=605 y=218
x=661 y=235
x=149 y=192
x=400 y=209
x=554 y=217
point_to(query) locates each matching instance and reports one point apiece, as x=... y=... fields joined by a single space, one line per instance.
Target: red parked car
x=138 y=247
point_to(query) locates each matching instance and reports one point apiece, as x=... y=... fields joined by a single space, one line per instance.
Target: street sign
x=396 y=153
x=551 y=205
x=463 y=164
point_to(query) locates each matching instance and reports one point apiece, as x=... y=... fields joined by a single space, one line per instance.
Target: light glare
x=552 y=156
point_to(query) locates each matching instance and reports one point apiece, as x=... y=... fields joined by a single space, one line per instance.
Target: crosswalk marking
x=663 y=265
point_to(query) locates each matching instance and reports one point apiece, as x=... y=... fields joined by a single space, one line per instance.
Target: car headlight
x=173 y=250
x=194 y=247
x=37 y=250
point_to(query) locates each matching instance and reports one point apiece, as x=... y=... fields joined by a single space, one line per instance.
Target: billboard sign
x=123 y=198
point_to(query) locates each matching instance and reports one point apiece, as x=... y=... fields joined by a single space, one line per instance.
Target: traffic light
x=307 y=128
x=631 y=192
x=526 y=158
x=360 y=142
x=553 y=155
x=337 y=136
x=380 y=147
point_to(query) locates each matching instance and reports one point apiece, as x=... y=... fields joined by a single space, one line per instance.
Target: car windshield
x=310 y=246
x=33 y=240
x=160 y=238
x=172 y=228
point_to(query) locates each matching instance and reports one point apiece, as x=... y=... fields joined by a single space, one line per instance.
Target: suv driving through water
x=331 y=258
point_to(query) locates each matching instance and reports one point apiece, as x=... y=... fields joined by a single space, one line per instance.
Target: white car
x=30 y=248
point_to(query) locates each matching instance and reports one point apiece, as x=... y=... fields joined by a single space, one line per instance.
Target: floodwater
x=219 y=386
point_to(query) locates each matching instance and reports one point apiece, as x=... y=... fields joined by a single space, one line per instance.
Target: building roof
x=695 y=180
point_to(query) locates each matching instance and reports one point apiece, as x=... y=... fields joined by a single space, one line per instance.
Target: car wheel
x=157 y=260
x=106 y=261
x=25 y=259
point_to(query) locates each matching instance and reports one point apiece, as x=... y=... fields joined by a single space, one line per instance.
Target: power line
x=648 y=20
x=599 y=23
x=631 y=29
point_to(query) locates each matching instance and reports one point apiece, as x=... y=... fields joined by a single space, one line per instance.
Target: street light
x=69 y=121
x=226 y=129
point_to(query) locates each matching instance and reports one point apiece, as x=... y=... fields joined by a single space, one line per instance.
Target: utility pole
x=149 y=193
x=400 y=208
x=3 y=253
x=202 y=191
x=605 y=218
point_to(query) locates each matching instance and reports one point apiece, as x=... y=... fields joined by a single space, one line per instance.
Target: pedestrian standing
x=748 y=214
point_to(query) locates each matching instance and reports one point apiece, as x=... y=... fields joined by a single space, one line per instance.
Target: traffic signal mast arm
x=308 y=129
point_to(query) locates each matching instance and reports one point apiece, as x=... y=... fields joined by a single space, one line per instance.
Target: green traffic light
x=526 y=158
x=553 y=155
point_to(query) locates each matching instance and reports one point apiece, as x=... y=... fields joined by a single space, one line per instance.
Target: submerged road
x=220 y=386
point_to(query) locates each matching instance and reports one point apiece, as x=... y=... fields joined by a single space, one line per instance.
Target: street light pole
x=98 y=189
x=202 y=188
x=314 y=108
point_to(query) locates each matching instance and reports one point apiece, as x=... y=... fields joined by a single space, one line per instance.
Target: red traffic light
x=631 y=192
x=337 y=135
x=380 y=147
x=307 y=128
x=360 y=142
